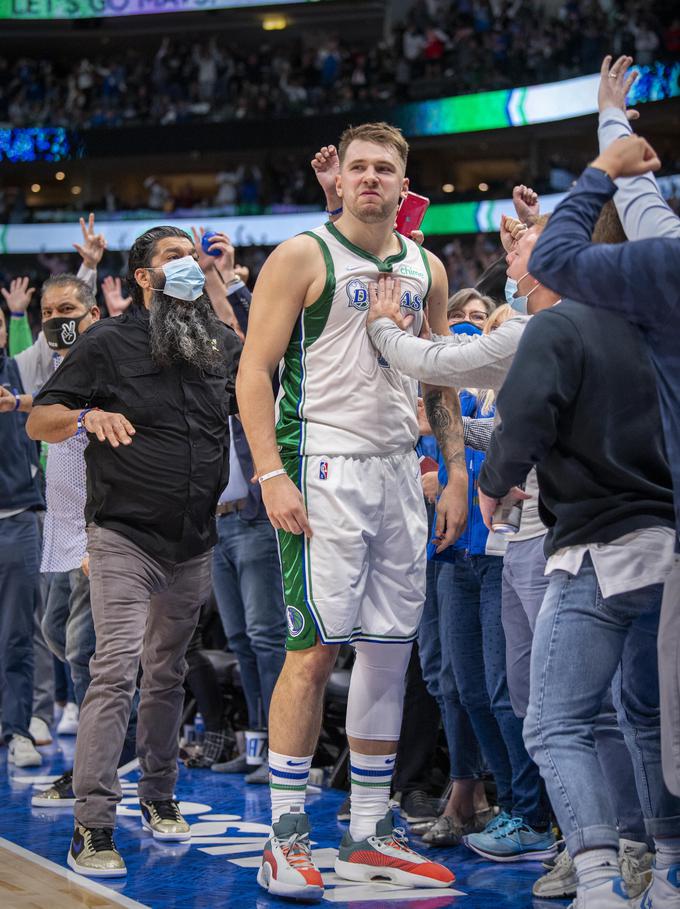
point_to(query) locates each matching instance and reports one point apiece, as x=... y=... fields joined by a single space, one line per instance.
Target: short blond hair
x=380 y=133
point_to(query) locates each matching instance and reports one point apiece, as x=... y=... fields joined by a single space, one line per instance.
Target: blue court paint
x=229 y=823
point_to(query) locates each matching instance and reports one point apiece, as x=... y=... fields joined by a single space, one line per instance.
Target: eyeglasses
x=474 y=316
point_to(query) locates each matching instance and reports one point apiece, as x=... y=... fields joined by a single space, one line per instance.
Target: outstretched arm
x=642 y=209
x=637 y=279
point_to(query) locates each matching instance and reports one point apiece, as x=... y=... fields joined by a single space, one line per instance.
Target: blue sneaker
x=513 y=841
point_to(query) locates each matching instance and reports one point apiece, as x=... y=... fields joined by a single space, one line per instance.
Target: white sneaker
x=636 y=863
x=22 y=752
x=609 y=895
x=663 y=892
x=68 y=724
x=40 y=731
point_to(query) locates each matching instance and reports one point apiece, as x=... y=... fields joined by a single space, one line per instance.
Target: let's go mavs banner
x=100 y=9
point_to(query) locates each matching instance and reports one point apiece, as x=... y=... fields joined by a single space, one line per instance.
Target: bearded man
x=153 y=389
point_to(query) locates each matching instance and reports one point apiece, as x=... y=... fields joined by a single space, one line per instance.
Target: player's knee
x=313 y=665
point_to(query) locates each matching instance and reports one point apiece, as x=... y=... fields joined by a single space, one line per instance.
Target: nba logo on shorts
x=323 y=470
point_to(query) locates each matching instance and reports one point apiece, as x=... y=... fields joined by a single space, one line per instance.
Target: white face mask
x=184 y=279
x=519 y=303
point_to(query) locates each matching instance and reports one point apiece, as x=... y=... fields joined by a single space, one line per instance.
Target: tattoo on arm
x=443 y=412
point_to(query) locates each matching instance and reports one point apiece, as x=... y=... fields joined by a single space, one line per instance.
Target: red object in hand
x=411 y=213
x=428 y=464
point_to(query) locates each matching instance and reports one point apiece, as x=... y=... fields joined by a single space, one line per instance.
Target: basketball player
x=340 y=481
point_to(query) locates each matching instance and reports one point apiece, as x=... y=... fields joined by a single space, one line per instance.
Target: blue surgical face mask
x=184 y=279
x=519 y=303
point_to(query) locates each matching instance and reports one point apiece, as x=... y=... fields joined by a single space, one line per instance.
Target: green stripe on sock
x=288 y=788
x=372 y=785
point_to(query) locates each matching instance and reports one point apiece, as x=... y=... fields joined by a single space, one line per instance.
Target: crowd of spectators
x=489 y=44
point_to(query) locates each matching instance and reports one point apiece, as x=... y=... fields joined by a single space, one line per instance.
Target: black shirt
x=161 y=490
x=580 y=402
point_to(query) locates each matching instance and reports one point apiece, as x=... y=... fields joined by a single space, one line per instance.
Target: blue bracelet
x=80 y=424
x=336 y=212
x=17 y=315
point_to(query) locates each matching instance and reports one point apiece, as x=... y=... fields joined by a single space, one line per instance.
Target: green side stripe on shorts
x=301 y=627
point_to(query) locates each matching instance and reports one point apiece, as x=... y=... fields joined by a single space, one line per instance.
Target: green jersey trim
x=291 y=426
x=384 y=265
x=426 y=263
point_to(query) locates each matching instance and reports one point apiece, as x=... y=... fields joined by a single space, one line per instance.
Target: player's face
x=371 y=181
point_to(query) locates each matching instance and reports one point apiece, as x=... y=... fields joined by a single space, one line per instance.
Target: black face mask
x=60 y=332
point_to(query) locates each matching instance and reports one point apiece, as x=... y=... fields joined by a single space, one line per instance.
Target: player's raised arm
x=291 y=277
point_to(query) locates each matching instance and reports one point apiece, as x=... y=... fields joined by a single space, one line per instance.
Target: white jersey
x=338 y=396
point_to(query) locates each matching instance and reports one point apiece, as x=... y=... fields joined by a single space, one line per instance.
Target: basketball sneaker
x=93 y=853
x=287 y=867
x=39 y=731
x=513 y=841
x=663 y=892
x=22 y=752
x=386 y=856
x=60 y=794
x=560 y=882
x=163 y=818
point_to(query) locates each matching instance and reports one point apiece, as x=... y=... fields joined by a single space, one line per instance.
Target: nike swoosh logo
x=387 y=761
x=296 y=763
x=353 y=267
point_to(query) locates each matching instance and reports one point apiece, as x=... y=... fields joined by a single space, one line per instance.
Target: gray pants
x=43 y=668
x=524 y=586
x=144 y=611
x=669 y=678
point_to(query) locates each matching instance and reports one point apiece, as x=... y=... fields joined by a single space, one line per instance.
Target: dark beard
x=183 y=331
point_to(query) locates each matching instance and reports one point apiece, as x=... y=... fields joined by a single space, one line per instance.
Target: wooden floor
x=30 y=882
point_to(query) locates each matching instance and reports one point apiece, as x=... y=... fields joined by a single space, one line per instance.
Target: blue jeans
x=580 y=641
x=465 y=759
x=19 y=598
x=524 y=587
x=470 y=593
x=247 y=584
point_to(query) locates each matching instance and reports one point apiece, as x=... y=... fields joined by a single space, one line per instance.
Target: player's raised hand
x=112 y=290
x=526 y=204
x=615 y=83
x=18 y=297
x=326 y=166
x=385 y=302
x=285 y=506
x=511 y=231
x=93 y=246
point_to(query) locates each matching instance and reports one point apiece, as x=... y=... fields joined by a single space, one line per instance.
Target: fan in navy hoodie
x=640 y=280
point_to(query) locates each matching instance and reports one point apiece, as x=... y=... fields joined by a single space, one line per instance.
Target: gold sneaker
x=162 y=817
x=94 y=854
x=59 y=795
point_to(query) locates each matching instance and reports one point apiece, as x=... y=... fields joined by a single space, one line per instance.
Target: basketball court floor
x=217 y=867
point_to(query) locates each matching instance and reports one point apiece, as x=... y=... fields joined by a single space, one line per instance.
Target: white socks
x=371 y=776
x=596 y=866
x=667 y=853
x=288 y=777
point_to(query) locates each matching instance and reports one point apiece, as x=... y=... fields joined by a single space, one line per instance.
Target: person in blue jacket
x=474 y=668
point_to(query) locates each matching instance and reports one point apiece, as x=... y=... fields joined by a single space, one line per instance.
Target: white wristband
x=270 y=476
